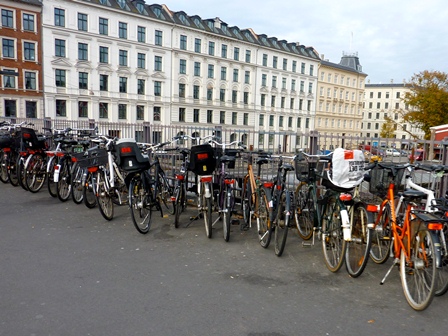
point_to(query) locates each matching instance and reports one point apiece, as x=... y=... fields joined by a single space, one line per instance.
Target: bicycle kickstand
x=396 y=261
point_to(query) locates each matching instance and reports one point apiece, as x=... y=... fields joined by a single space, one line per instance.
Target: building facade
x=123 y=60
x=21 y=72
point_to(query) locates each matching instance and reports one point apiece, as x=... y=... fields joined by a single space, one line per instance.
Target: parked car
x=419 y=155
x=392 y=152
x=377 y=151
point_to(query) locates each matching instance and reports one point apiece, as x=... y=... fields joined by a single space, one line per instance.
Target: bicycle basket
x=380 y=179
x=93 y=157
x=130 y=158
x=202 y=160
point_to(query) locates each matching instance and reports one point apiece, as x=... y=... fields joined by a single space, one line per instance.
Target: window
x=248 y=56
x=122 y=111
x=263 y=99
x=223 y=73
x=209 y=94
x=247 y=77
x=294 y=66
x=234 y=96
x=141 y=61
x=245 y=118
x=222 y=117
x=104 y=79
x=222 y=95
x=271 y=121
x=183 y=66
x=10 y=108
x=31 y=109
x=9 y=80
x=123 y=85
x=183 y=42
x=274 y=81
x=311 y=70
x=83 y=80
x=398 y=95
x=141 y=34
x=156 y=113
x=211 y=71
x=379 y=94
x=209 y=116
x=197 y=68
x=280 y=121
x=234 y=118
x=299 y=123
x=272 y=101
x=265 y=60
x=158 y=37
x=293 y=84
x=196 y=115
x=61 y=108
x=236 y=54
x=285 y=64
x=211 y=48
x=302 y=71
x=104 y=55
x=122 y=30
x=140 y=86
x=224 y=51
x=261 y=120
x=30 y=80
x=123 y=57
x=82 y=22
x=282 y=102
x=8 y=48
x=157 y=88
x=60 y=78
x=59 y=48
x=310 y=88
x=235 y=75
x=7 y=18
x=197 y=45
x=59 y=17
x=158 y=63
x=82 y=51
x=182 y=114
x=263 y=79
x=104 y=26
x=29 y=50
x=291 y=104
x=82 y=109
x=274 y=62
x=181 y=90
x=140 y=112
x=195 y=91
x=28 y=22
x=246 y=98
x=104 y=110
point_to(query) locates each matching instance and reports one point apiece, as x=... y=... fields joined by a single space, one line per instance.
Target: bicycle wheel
x=381 y=238
x=206 y=210
x=263 y=221
x=88 y=194
x=4 y=167
x=333 y=243
x=305 y=211
x=418 y=274
x=51 y=184
x=442 y=272
x=281 y=224
x=227 y=215
x=64 y=183
x=246 y=203
x=166 y=196
x=180 y=197
x=76 y=183
x=139 y=205
x=20 y=168
x=103 y=198
x=12 y=170
x=358 y=249
x=35 y=174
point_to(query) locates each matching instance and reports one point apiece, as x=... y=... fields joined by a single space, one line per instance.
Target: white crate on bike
x=347 y=169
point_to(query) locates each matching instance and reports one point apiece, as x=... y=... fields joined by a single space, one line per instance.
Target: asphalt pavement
x=67 y=271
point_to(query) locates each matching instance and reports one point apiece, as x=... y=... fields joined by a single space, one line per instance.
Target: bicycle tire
x=76 y=182
x=264 y=227
x=180 y=196
x=4 y=167
x=358 y=249
x=35 y=174
x=246 y=202
x=20 y=168
x=103 y=198
x=442 y=274
x=281 y=223
x=51 y=184
x=418 y=277
x=139 y=206
x=12 y=171
x=382 y=238
x=227 y=215
x=305 y=211
x=166 y=193
x=64 y=182
x=333 y=243
x=88 y=194
x=206 y=210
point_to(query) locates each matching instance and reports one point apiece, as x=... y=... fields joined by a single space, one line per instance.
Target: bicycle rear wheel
x=382 y=238
x=442 y=272
x=305 y=211
x=51 y=184
x=418 y=274
x=358 y=249
x=333 y=243
x=263 y=221
x=12 y=170
x=20 y=168
x=76 y=181
x=246 y=203
x=4 y=167
x=35 y=173
x=64 y=183
x=139 y=205
x=166 y=193
x=103 y=197
x=179 y=194
x=281 y=224
x=88 y=193
x=227 y=215
x=206 y=209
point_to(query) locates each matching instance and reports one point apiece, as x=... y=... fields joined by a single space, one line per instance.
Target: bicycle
x=255 y=199
x=411 y=231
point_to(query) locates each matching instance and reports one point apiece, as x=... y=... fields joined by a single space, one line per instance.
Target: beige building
x=340 y=95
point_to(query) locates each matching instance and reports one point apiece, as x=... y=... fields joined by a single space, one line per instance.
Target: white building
x=118 y=60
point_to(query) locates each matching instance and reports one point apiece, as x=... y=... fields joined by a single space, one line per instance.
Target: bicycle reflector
x=60 y=154
x=345 y=197
x=126 y=150
x=206 y=178
x=180 y=177
x=372 y=208
x=435 y=226
x=268 y=184
x=26 y=135
x=202 y=156
x=229 y=181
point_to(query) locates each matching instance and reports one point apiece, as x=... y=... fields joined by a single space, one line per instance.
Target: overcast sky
x=394 y=39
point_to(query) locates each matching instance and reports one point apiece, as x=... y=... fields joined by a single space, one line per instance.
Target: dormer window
x=121 y=3
x=183 y=19
x=211 y=25
x=158 y=13
x=198 y=23
x=141 y=7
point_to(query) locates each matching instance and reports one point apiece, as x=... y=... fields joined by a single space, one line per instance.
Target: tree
x=388 y=129
x=428 y=97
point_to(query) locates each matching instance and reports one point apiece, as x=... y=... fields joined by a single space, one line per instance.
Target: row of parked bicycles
x=356 y=211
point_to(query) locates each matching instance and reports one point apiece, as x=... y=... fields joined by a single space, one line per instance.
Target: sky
x=394 y=39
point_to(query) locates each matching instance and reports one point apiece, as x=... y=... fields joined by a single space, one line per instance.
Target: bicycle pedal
x=306 y=244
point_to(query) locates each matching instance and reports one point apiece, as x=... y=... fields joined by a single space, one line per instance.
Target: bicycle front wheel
x=246 y=203
x=64 y=183
x=139 y=205
x=103 y=197
x=227 y=214
x=88 y=192
x=281 y=224
x=12 y=170
x=442 y=272
x=51 y=184
x=382 y=237
x=180 y=196
x=166 y=193
x=263 y=220
x=418 y=274
x=4 y=167
x=357 y=252
x=20 y=168
x=35 y=173
x=305 y=211
x=333 y=243
x=206 y=209
x=76 y=181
